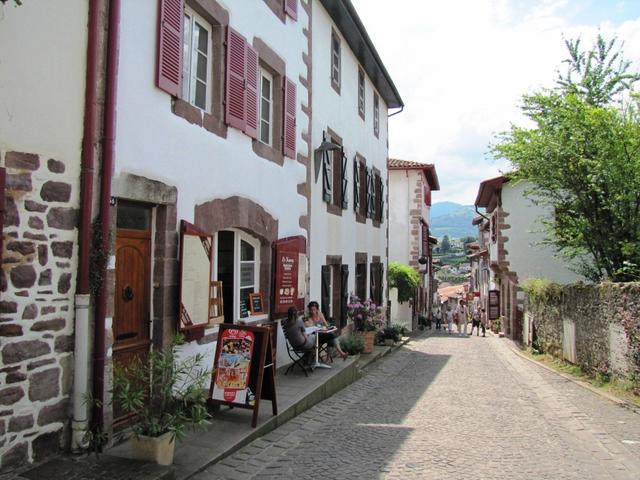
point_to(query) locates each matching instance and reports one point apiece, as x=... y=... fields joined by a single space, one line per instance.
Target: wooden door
x=131 y=323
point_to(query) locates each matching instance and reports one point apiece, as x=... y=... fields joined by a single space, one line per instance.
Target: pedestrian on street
x=475 y=321
x=438 y=319
x=450 y=318
x=462 y=318
x=483 y=320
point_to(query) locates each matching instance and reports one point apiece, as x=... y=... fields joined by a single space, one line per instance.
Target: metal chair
x=299 y=357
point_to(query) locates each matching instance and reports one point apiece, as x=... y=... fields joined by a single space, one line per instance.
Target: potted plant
x=164 y=394
x=367 y=319
x=390 y=335
x=352 y=344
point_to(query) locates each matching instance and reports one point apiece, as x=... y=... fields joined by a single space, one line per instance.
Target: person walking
x=450 y=318
x=438 y=319
x=475 y=321
x=483 y=320
x=462 y=318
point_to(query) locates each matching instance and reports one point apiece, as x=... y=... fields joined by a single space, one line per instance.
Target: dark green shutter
x=356 y=184
x=345 y=183
x=327 y=177
x=325 y=290
x=344 y=294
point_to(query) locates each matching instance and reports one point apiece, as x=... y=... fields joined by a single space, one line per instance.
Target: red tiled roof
x=428 y=168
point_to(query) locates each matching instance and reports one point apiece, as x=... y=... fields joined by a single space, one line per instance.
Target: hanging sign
x=243 y=370
x=288 y=254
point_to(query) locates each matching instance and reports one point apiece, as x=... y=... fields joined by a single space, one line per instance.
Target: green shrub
x=405 y=279
x=352 y=344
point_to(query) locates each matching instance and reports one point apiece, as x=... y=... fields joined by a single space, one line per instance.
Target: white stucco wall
x=42 y=95
x=157 y=144
x=401 y=185
x=526 y=256
x=332 y=234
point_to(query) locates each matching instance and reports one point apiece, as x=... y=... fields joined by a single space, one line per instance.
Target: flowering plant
x=366 y=315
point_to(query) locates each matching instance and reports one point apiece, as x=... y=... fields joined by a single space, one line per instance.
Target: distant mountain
x=453 y=219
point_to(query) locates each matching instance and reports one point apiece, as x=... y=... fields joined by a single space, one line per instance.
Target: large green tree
x=582 y=156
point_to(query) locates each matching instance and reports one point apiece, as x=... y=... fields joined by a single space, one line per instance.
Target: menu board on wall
x=288 y=253
x=494 y=304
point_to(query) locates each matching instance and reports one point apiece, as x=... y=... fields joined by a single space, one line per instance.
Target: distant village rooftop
x=428 y=168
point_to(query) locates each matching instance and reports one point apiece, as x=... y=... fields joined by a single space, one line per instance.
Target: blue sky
x=462 y=66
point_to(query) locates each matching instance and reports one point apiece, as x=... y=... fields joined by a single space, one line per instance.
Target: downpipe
x=80 y=421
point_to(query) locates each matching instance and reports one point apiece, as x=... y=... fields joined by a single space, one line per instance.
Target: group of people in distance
x=295 y=327
x=461 y=315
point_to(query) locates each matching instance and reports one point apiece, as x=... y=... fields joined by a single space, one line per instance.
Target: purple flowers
x=366 y=315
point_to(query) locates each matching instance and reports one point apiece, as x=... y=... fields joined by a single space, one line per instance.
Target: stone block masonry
x=600 y=323
x=37 y=287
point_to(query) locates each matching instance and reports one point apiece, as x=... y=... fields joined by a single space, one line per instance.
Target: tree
x=445 y=247
x=583 y=157
x=405 y=279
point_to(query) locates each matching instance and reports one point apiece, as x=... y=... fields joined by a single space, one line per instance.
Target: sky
x=462 y=66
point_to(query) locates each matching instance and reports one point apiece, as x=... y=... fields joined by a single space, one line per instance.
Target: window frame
x=188 y=77
x=265 y=74
x=376 y=115
x=361 y=93
x=336 y=61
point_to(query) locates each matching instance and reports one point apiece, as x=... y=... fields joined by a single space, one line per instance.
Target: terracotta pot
x=154 y=449
x=369 y=338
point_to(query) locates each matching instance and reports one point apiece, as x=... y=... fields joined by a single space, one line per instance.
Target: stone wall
x=605 y=318
x=37 y=285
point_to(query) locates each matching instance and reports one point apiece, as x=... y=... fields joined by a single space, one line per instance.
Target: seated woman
x=294 y=331
x=315 y=318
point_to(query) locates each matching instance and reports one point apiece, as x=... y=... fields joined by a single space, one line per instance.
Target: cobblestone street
x=446 y=407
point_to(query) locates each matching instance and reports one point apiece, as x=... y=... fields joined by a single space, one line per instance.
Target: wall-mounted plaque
x=494 y=304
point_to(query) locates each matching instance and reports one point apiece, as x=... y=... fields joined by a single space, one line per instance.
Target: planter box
x=369 y=338
x=154 y=449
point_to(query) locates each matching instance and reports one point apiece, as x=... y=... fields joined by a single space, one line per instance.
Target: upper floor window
x=266 y=107
x=335 y=61
x=197 y=61
x=376 y=115
x=361 y=93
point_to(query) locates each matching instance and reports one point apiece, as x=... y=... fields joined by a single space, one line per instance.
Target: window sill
x=268 y=152
x=195 y=116
x=334 y=209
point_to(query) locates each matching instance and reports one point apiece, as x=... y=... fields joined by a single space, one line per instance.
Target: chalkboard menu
x=494 y=304
x=256 y=303
x=243 y=372
x=244 y=310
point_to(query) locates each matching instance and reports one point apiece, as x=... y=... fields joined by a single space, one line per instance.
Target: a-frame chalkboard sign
x=243 y=370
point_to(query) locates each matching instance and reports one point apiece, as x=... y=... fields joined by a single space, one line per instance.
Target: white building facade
x=511 y=251
x=410 y=187
x=348 y=184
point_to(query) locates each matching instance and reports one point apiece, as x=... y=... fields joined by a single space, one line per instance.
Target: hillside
x=453 y=219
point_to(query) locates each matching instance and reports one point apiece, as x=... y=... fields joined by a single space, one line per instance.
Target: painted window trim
x=188 y=77
x=264 y=74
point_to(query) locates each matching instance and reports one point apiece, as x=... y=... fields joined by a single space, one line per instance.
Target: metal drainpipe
x=82 y=297
x=111 y=85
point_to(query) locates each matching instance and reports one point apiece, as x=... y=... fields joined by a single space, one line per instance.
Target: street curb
x=618 y=401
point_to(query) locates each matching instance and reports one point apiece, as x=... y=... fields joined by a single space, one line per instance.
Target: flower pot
x=154 y=449
x=369 y=338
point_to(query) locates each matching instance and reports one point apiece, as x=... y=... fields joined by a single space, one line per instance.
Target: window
x=237 y=266
x=334 y=181
x=376 y=115
x=266 y=107
x=361 y=280
x=335 y=61
x=197 y=61
x=361 y=93
x=337 y=178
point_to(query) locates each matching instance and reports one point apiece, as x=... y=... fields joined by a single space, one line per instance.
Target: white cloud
x=461 y=68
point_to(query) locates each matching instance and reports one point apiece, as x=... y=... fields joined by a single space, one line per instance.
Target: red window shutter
x=251 y=93
x=169 y=65
x=236 y=65
x=291 y=8
x=427 y=196
x=289 y=123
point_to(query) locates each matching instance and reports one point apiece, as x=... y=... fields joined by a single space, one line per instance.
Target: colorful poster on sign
x=232 y=370
x=287 y=279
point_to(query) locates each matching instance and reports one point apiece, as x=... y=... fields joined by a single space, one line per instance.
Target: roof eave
x=348 y=22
